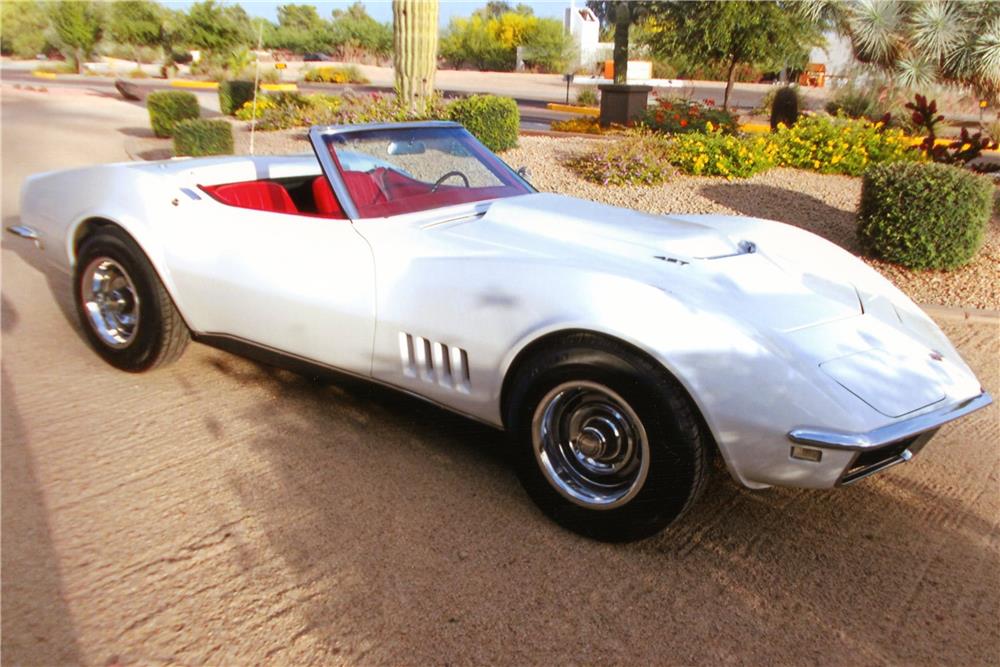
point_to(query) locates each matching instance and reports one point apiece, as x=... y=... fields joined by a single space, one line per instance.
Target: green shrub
x=203 y=137
x=840 y=145
x=640 y=158
x=233 y=95
x=677 y=116
x=493 y=120
x=785 y=107
x=169 y=107
x=717 y=154
x=856 y=102
x=587 y=97
x=923 y=215
x=329 y=74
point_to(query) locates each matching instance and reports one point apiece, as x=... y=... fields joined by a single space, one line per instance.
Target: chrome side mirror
x=524 y=173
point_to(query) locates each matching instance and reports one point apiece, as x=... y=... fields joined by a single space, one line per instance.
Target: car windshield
x=407 y=169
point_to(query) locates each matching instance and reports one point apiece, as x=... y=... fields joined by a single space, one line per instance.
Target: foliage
x=203 y=137
x=415 y=49
x=963 y=150
x=330 y=74
x=77 y=25
x=217 y=29
x=490 y=42
x=924 y=216
x=641 y=158
x=354 y=33
x=840 y=145
x=726 y=155
x=281 y=111
x=785 y=107
x=731 y=34
x=855 y=102
x=581 y=124
x=493 y=120
x=169 y=107
x=264 y=102
x=233 y=95
x=136 y=23
x=920 y=43
x=23 y=27
x=677 y=116
x=587 y=97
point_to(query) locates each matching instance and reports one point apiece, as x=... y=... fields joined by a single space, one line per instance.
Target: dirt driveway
x=222 y=512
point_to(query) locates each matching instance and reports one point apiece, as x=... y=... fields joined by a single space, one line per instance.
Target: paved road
x=223 y=512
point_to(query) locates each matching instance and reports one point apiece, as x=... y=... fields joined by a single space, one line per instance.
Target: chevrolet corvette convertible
x=620 y=351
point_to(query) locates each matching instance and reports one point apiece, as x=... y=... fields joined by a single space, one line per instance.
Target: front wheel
x=605 y=441
x=126 y=313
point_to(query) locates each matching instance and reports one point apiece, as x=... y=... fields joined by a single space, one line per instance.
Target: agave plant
x=920 y=42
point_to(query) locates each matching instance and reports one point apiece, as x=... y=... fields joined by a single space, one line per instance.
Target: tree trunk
x=78 y=54
x=729 y=84
x=623 y=18
x=415 y=44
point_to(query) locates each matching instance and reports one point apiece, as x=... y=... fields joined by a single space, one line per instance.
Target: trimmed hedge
x=203 y=137
x=493 y=120
x=169 y=107
x=233 y=95
x=923 y=215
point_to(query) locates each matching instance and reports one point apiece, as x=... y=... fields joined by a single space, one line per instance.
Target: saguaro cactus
x=415 y=44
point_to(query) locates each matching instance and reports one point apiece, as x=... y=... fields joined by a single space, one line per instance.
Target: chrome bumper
x=888 y=445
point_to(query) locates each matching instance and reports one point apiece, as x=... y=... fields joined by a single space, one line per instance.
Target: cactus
x=415 y=44
x=785 y=107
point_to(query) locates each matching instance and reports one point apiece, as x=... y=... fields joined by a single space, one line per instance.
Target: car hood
x=711 y=262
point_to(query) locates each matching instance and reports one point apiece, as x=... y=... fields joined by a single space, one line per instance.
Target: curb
x=45 y=75
x=961 y=314
x=185 y=83
x=279 y=87
x=569 y=108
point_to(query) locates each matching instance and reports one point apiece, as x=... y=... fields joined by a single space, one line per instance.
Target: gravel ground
x=823 y=204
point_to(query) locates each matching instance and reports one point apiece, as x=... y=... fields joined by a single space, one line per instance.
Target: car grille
x=872 y=461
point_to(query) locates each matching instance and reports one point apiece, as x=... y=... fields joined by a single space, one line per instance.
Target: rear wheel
x=605 y=441
x=126 y=313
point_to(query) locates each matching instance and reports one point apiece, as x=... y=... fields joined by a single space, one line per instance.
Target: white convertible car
x=619 y=350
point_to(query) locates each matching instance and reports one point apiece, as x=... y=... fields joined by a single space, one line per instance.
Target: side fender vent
x=434 y=362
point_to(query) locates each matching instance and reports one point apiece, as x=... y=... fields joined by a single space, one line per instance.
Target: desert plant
x=726 y=155
x=203 y=137
x=640 y=158
x=330 y=74
x=587 y=97
x=493 y=120
x=840 y=145
x=855 y=102
x=963 y=150
x=169 y=107
x=924 y=215
x=415 y=44
x=233 y=95
x=784 y=107
x=678 y=116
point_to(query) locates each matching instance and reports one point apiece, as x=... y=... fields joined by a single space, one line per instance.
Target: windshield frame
x=321 y=136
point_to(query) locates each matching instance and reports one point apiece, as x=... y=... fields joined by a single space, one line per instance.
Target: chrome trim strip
x=26 y=232
x=217 y=339
x=891 y=433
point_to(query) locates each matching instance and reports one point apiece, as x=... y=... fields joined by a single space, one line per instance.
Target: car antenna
x=256 y=81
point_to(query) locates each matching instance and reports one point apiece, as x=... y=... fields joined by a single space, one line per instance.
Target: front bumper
x=888 y=445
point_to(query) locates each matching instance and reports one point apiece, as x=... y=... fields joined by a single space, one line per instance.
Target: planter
x=622 y=103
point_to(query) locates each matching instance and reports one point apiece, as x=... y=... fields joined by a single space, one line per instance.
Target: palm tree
x=923 y=42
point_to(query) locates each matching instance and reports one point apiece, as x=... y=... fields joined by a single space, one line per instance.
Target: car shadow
x=788 y=206
x=407 y=523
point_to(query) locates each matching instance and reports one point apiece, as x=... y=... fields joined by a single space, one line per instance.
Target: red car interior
x=258 y=195
x=326 y=201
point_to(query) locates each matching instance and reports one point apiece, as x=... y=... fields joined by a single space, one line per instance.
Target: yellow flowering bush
x=582 y=124
x=717 y=154
x=330 y=74
x=840 y=145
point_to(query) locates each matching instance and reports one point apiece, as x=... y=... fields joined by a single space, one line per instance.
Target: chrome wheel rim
x=590 y=445
x=111 y=302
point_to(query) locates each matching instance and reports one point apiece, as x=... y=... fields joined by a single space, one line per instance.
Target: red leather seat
x=326 y=201
x=363 y=188
x=258 y=195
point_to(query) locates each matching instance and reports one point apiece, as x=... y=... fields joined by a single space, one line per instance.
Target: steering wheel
x=444 y=178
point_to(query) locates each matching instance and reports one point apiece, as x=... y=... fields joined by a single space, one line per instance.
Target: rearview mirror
x=406 y=148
